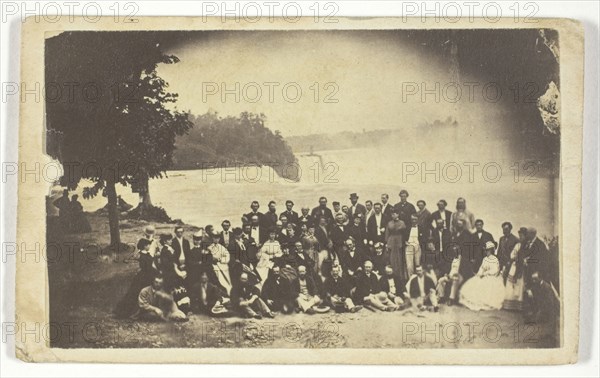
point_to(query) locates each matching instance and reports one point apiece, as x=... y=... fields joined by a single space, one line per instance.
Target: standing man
x=370 y=211
x=181 y=247
x=480 y=238
x=306 y=218
x=441 y=213
x=322 y=211
x=405 y=211
x=441 y=240
x=258 y=232
x=376 y=225
x=413 y=247
x=423 y=215
x=226 y=237
x=254 y=206
x=339 y=233
x=290 y=214
x=337 y=209
x=386 y=208
x=270 y=217
x=462 y=214
x=505 y=246
x=355 y=207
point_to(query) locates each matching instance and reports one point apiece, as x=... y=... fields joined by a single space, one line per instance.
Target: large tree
x=111 y=116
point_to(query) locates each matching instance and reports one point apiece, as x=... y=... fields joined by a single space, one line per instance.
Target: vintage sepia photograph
x=304 y=188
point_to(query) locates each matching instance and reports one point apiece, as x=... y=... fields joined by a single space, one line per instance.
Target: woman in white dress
x=269 y=250
x=484 y=291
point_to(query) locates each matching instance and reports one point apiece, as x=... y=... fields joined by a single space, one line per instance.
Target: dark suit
x=384 y=285
x=464 y=241
x=413 y=287
x=358 y=233
x=319 y=212
x=387 y=211
x=263 y=233
x=505 y=246
x=424 y=234
x=340 y=287
x=366 y=286
x=538 y=259
x=306 y=219
x=311 y=286
x=437 y=215
x=292 y=216
x=270 y=219
x=406 y=210
x=352 y=263
x=178 y=251
x=322 y=236
x=211 y=297
x=360 y=209
x=249 y=215
x=372 y=228
x=278 y=290
x=442 y=259
x=339 y=234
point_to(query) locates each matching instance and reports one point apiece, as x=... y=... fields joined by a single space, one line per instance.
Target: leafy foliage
x=224 y=141
x=117 y=123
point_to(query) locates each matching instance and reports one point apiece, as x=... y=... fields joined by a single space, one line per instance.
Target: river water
x=496 y=190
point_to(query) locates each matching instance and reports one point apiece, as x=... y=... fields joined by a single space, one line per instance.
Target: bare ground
x=85 y=285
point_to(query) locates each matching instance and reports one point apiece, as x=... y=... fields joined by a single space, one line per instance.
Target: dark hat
x=523 y=230
x=237 y=231
x=353 y=196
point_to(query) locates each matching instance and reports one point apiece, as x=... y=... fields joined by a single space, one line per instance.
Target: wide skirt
x=485 y=293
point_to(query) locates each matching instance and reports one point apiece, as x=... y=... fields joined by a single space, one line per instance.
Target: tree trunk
x=145 y=200
x=113 y=214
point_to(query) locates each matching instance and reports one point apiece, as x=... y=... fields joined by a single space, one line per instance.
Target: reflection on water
x=207 y=197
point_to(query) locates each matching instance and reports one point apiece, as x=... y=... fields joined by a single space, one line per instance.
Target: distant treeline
x=362 y=139
x=216 y=141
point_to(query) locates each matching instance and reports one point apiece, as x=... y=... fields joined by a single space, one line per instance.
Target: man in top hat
x=356 y=208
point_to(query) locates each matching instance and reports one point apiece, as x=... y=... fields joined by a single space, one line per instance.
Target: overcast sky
x=367 y=70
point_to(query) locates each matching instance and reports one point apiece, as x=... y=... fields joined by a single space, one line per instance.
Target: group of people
x=71 y=217
x=380 y=256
